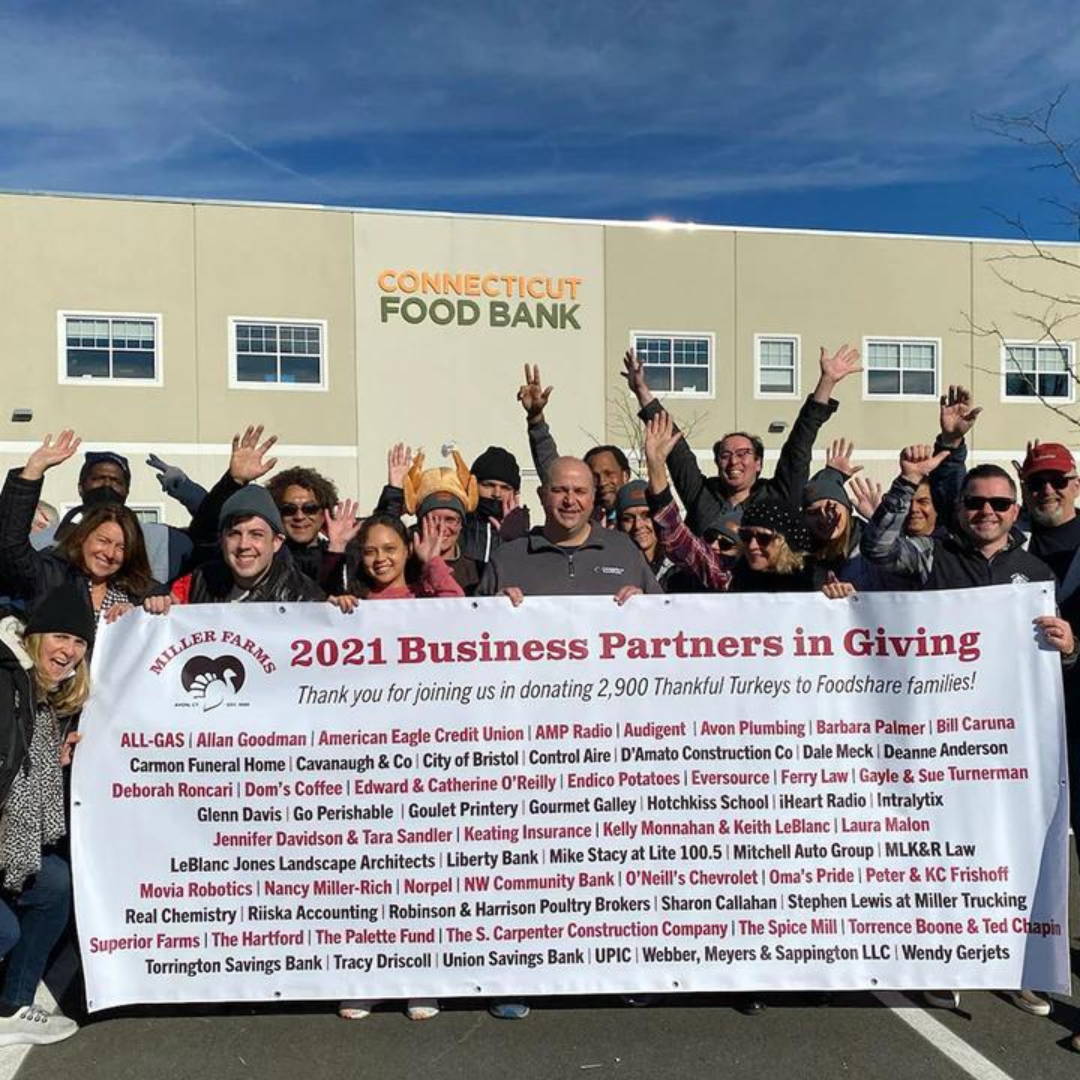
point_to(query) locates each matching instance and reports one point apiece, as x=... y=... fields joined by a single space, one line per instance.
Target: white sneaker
x=1030 y=1002
x=32 y=1024
x=422 y=1009
x=357 y=1008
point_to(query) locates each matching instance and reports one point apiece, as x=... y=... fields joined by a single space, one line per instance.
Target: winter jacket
x=16 y=703
x=683 y=548
x=951 y=562
x=707 y=506
x=213 y=583
x=604 y=564
x=28 y=574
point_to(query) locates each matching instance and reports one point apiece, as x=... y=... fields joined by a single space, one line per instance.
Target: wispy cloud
x=599 y=108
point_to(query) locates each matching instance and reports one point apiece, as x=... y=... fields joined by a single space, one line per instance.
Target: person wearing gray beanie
x=252 y=500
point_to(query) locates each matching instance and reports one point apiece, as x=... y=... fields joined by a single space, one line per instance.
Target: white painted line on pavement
x=940 y=1037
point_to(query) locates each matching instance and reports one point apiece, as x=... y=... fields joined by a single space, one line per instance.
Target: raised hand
x=839 y=457
x=842 y=363
x=634 y=374
x=1018 y=466
x=533 y=396
x=399 y=460
x=341 y=524
x=957 y=416
x=660 y=438
x=510 y=500
x=248 y=460
x=426 y=541
x=865 y=495
x=918 y=462
x=50 y=454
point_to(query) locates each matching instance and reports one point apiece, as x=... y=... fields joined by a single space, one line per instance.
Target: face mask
x=489 y=507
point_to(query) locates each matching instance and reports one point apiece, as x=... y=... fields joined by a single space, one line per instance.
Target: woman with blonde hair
x=44 y=682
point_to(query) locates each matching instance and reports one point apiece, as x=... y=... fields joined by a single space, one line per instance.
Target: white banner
x=453 y=798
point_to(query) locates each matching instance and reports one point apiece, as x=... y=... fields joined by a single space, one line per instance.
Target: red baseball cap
x=1048 y=457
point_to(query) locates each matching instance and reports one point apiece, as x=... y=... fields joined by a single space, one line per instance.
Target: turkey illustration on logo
x=213 y=680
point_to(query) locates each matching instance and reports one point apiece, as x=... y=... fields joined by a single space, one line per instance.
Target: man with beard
x=1048 y=477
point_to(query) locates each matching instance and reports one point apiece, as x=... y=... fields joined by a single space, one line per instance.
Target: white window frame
x=675 y=335
x=777 y=395
x=324 y=359
x=900 y=340
x=1034 y=399
x=64 y=379
x=66 y=508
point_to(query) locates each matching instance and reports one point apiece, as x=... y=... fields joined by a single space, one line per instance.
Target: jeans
x=31 y=923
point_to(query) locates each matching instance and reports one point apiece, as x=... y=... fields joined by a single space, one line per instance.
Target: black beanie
x=781 y=518
x=64 y=610
x=495 y=463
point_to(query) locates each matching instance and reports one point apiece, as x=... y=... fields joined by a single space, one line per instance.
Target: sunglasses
x=1058 y=481
x=998 y=503
x=297 y=509
x=763 y=537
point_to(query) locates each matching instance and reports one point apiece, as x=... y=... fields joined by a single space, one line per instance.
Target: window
x=1033 y=370
x=287 y=355
x=107 y=348
x=901 y=367
x=147 y=513
x=676 y=363
x=776 y=358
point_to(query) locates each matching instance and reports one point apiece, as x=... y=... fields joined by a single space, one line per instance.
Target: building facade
x=166 y=326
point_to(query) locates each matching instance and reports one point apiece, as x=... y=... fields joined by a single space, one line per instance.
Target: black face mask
x=489 y=507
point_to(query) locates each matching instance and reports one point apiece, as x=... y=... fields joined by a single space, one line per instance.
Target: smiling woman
x=43 y=680
x=103 y=557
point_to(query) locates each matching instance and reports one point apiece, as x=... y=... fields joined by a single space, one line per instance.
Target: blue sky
x=840 y=114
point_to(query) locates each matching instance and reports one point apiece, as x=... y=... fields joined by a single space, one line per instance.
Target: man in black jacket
x=254 y=564
x=739 y=456
x=984 y=549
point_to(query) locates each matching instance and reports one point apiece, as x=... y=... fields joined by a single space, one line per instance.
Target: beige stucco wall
x=428 y=385
x=197 y=264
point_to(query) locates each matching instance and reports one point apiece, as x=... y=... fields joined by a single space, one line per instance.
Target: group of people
x=263 y=535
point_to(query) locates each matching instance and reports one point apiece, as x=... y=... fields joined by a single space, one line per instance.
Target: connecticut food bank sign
x=465 y=298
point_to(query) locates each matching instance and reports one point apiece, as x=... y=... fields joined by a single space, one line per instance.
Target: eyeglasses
x=762 y=536
x=998 y=503
x=1058 y=481
x=728 y=455
x=298 y=509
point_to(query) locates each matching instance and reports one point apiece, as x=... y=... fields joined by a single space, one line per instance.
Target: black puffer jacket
x=16 y=708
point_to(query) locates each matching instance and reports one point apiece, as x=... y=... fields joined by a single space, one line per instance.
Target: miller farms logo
x=213 y=681
x=535 y=302
x=210 y=678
